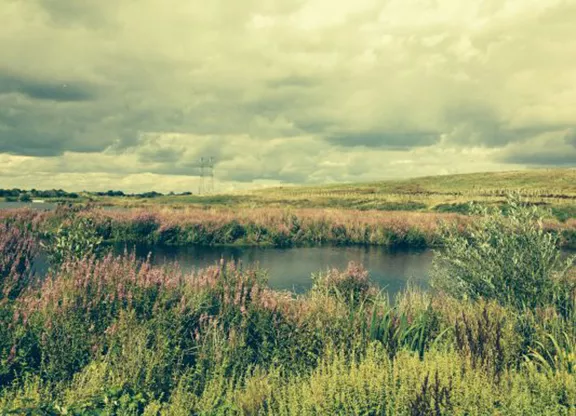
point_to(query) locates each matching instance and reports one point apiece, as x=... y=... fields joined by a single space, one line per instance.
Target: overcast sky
x=129 y=94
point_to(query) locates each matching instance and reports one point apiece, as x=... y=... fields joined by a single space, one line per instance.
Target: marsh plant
x=111 y=335
x=507 y=256
x=17 y=250
x=75 y=239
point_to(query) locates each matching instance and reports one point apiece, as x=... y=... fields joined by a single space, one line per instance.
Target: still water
x=32 y=205
x=291 y=269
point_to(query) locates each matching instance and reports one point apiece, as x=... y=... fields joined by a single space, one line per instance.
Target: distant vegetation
x=393 y=214
x=105 y=335
x=552 y=188
x=273 y=227
x=547 y=188
x=26 y=196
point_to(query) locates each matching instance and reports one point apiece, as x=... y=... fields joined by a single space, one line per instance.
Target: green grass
x=105 y=335
x=551 y=188
x=560 y=182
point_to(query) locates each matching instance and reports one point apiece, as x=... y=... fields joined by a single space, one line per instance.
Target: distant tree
x=25 y=198
x=152 y=194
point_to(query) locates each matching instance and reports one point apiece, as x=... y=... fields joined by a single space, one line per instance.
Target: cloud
x=45 y=89
x=549 y=149
x=570 y=136
x=385 y=139
x=291 y=90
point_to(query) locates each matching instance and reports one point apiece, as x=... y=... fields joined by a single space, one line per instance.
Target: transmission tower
x=211 y=170
x=201 y=184
x=206 y=166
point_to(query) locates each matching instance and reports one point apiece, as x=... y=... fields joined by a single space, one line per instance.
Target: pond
x=291 y=269
x=50 y=206
x=32 y=205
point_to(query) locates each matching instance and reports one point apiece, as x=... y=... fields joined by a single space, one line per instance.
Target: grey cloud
x=480 y=124
x=474 y=123
x=296 y=81
x=160 y=156
x=543 y=158
x=362 y=84
x=570 y=136
x=47 y=129
x=548 y=149
x=88 y=13
x=63 y=91
x=385 y=139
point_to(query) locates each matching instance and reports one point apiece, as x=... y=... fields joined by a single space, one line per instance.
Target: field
x=553 y=187
x=112 y=335
x=105 y=335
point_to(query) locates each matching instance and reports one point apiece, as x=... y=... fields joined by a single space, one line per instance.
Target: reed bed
x=286 y=228
x=117 y=336
x=274 y=227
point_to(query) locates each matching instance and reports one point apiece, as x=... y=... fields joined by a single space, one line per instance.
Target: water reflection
x=291 y=269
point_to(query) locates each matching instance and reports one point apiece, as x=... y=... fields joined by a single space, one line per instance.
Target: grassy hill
x=555 y=188
x=543 y=182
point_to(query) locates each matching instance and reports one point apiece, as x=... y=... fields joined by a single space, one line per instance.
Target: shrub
x=507 y=257
x=74 y=240
x=25 y=198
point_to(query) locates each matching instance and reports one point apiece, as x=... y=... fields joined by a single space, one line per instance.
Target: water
x=291 y=269
x=50 y=206
x=32 y=205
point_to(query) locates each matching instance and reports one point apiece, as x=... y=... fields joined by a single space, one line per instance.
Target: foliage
x=110 y=335
x=74 y=239
x=508 y=257
x=17 y=251
x=351 y=286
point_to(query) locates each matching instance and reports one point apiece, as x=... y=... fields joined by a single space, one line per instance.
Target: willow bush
x=505 y=255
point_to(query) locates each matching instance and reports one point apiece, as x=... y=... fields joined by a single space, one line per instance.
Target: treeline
x=23 y=195
x=151 y=194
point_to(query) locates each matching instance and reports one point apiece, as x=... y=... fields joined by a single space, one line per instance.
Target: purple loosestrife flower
x=17 y=250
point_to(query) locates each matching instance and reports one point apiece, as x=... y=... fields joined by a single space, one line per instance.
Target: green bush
x=73 y=240
x=25 y=198
x=507 y=257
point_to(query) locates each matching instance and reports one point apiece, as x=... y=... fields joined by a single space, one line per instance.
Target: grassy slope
x=553 y=187
x=544 y=181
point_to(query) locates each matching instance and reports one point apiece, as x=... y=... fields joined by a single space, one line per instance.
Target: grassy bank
x=551 y=188
x=280 y=227
x=270 y=227
x=115 y=336
x=266 y=226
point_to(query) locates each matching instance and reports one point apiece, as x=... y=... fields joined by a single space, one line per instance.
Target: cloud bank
x=123 y=94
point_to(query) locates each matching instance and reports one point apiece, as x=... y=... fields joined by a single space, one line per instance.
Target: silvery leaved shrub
x=506 y=255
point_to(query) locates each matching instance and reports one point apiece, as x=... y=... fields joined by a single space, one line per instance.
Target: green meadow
x=551 y=187
x=104 y=334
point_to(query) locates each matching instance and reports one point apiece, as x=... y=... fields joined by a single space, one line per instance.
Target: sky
x=129 y=94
